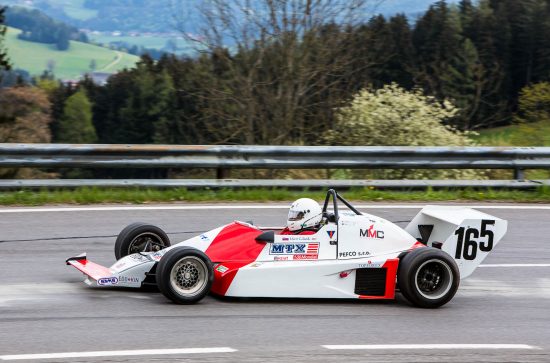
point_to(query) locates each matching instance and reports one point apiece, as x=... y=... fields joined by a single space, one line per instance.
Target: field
x=71 y=64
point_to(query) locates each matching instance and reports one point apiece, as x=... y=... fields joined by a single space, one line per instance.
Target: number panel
x=468 y=240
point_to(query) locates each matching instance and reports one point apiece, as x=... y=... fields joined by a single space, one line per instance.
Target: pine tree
x=75 y=125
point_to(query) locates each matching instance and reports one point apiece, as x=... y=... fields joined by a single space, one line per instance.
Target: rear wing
x=466 y=234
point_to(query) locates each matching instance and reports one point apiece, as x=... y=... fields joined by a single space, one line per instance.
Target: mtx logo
x=371 y=233
x=294 y=248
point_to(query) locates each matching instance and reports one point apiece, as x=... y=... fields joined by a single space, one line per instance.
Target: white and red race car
x=353 y=255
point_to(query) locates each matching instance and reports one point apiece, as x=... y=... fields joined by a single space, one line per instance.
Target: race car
x=353 y=255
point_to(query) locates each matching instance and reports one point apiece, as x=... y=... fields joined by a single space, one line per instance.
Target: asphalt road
x=45 y=307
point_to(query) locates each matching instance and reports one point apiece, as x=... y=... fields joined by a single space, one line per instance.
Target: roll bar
x=335 y=198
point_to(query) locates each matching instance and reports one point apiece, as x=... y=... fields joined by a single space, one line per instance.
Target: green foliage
x=533 y=116
x=393 y=116
x=38 y=27
x=75 y=125
x=534 y=103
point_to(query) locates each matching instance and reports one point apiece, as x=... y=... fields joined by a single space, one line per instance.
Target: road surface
x=501 y=313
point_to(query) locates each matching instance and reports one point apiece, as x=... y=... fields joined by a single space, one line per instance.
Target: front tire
x=140 y=237
x=185 y=275
x=428 y=277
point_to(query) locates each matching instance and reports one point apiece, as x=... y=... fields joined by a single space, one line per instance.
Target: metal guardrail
x=269 y=183
x=225 y=158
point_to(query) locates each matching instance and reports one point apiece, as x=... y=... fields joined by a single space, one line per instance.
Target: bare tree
x=278 y=65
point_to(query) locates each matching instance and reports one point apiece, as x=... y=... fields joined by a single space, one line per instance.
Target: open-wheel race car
x=352 y=255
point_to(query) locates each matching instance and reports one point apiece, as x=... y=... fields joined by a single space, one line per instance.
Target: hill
x=143 y=16
x=70 y=64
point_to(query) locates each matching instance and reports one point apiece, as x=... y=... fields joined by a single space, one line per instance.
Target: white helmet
x=304 y=213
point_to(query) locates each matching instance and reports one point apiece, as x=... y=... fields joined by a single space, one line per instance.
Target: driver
x=304 y=217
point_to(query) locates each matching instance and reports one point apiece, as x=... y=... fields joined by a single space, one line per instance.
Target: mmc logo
x=294 y=248
x=371 y=233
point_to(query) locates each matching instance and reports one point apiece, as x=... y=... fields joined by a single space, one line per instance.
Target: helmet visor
x=294 y=215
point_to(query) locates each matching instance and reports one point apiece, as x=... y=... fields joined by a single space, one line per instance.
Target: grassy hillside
x=34 y=57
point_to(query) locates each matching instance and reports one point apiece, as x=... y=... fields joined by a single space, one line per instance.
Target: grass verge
x=141 y=196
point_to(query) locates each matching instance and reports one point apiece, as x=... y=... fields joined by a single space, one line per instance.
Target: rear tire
x=428 y=277
x=185 y=275
x=140 y=237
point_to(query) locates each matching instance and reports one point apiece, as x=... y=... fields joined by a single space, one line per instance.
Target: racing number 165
x=466 y=245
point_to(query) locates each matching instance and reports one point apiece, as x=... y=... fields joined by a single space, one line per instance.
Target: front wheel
x=140 y=237
x=428 y=277
x=185 y=275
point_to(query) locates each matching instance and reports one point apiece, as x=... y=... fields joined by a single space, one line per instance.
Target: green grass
x=139 y=196
x=70 y=64
x=507 y=135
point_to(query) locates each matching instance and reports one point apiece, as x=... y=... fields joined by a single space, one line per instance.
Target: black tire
x=140 y=237
x=428 y=277
x=185 y=275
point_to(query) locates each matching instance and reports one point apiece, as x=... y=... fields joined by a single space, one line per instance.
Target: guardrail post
x=222 y=173
x=519 y=174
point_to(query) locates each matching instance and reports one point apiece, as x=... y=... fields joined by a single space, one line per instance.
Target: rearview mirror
x=266 y=237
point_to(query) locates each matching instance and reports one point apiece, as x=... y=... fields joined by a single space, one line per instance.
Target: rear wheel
x=140 y=237
x=185 y=275
x=428 y=277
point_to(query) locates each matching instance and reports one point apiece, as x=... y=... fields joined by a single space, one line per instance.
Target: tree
x=75 y=125
x=62 y=42
x=277 y=67
x=413 y=118
x=533 y=112
x=24 y=117
x=4 y=61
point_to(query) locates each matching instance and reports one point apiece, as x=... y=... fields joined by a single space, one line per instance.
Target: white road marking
x=248 y=206
x=118 y=353
x=517 y=265
x=429 y=346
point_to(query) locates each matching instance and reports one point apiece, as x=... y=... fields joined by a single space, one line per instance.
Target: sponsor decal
x=139 y=257
x=105 y=281
x=156 y=256
x=298 y=251
x=299 y=238
x=371 y=233
x=221 y=268
x=330 y=234
x=126 y=279
x=204 y=237
x=280 y=258
x=305 y=257
x=370 y=264
x=354 y=254
x=294 y=248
